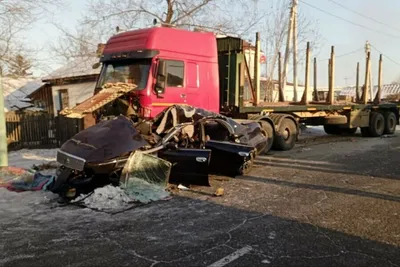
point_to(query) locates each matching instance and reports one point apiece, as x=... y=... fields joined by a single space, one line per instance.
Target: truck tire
x=267 y=127
x=332 y=129
x=376 y=124
x=285 y=138
x=365 y=132
x=390 y=122
x=349 y=131
x=336 y=130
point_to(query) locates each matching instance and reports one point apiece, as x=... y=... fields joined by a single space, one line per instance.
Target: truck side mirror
x=161 y=77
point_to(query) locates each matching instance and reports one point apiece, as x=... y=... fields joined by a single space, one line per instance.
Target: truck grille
x=70 y=161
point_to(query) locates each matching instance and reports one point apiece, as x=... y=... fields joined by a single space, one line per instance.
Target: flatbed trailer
x=281 y=119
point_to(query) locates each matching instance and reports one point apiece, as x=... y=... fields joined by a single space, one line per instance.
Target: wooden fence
x=39 y=130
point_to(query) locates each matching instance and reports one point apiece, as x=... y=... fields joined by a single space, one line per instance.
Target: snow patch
x=26 y=158
x=106 y=198
x=111 y=198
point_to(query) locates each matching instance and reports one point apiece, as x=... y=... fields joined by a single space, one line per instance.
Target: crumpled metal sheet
x=105 y=96
x=105 y=140
x=249 y=133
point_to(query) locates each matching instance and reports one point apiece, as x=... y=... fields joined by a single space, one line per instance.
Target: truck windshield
x=130 y=72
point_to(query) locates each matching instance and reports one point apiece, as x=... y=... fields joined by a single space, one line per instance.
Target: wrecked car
x=197 y=142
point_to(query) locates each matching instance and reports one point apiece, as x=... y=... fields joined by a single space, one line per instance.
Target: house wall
x=43 y=98
x=77 y=93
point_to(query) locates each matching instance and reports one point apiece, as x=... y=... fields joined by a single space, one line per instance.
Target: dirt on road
x=332 y=201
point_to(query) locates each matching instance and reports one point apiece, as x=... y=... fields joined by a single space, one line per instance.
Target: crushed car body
x=195 y=141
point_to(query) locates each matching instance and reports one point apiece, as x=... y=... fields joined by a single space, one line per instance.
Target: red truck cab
x=169 y=66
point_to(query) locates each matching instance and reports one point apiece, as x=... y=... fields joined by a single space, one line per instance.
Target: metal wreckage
x=181 y=145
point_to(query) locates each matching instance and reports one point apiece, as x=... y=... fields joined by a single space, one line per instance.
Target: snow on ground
x=106 y=198
x=26 y=158
x=312 y=131
x=114 y=199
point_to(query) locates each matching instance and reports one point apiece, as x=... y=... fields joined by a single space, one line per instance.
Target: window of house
x=175 y=73
x=63 y=98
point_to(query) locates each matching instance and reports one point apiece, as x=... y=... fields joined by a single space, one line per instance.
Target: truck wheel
x=267 y=127
x=285 y=138
x=349 y=131
x=376 y=124
x=365 y=132
x=390 y=123
x=332 y=129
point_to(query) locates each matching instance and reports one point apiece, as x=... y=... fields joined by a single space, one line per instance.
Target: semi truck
x=177 y=66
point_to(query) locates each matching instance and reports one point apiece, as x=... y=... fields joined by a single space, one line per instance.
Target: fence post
x=3 y=131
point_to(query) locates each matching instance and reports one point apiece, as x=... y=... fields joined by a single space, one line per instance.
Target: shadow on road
x=320 y=187
x=375 y=164
x=179 y=232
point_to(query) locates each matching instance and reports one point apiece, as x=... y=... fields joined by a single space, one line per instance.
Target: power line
x=385 y=55
x=349 y=21
x=364 y=16
x=347 y=54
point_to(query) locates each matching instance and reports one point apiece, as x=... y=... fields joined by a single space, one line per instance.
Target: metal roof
x=387 y=89
x=17 y=90
x=80 y=66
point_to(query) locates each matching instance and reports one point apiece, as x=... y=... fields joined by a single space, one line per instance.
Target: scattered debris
x=19 y=180
x=219 y=192
x=120 y=162
x=175 y=147
x=182 y=187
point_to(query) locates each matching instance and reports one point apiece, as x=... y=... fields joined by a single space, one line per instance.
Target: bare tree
x=17 y=16
x=19 y=66
x=103 y=16
x=81 y=42
x=218 y=15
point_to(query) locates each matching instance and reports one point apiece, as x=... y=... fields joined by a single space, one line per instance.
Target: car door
x=175 y=86
x=189 y=166
x=227 y=157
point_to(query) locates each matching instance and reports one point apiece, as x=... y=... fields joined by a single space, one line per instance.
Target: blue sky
x=344 y=36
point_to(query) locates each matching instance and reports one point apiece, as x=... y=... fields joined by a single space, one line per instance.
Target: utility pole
x=289 y=39
x=295 y=3
x=371 y=86
x=257 y=69
x=3 y=132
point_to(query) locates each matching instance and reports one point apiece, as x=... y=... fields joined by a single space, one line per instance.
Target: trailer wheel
x=285 y=138
x=349 y=131
x=267 y=127
x=332 y=129
x=376 y=124
x=390 y=123
x=365 y=132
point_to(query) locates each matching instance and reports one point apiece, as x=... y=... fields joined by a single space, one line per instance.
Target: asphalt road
x=332 y=201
